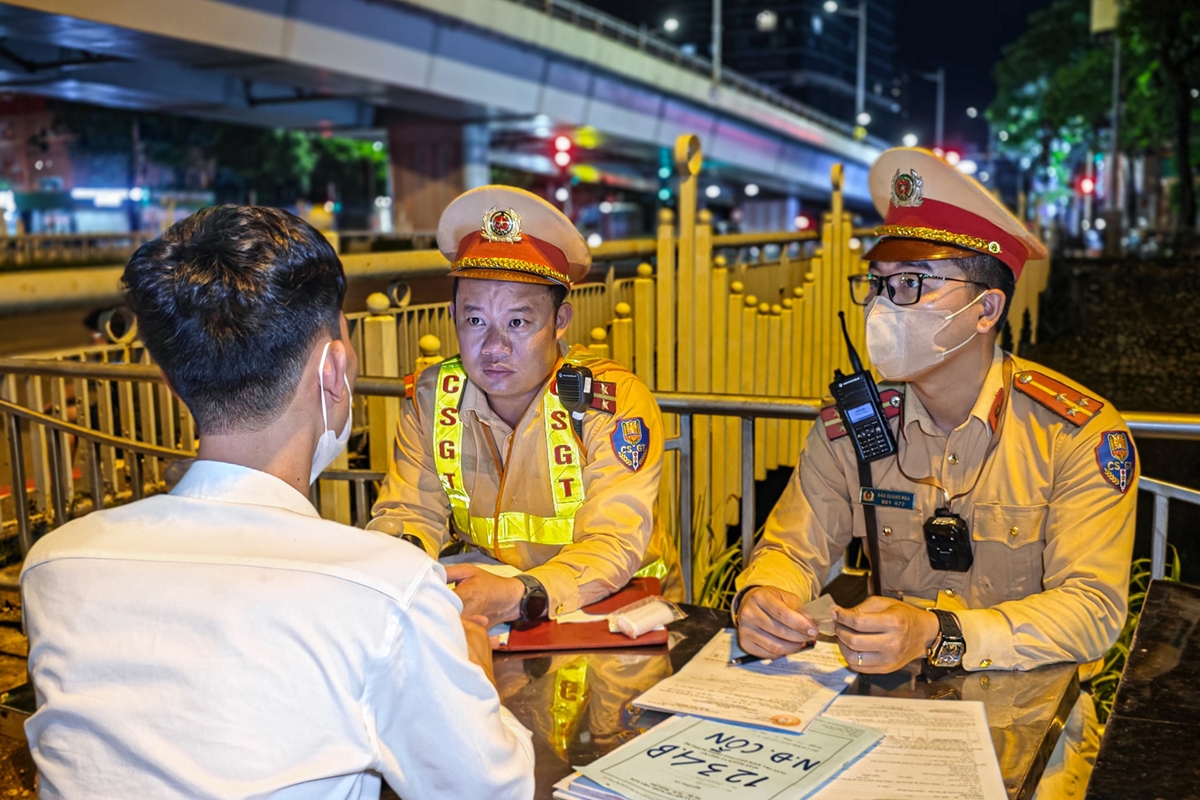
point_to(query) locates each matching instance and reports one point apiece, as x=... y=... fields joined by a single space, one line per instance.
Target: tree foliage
x=1054 y=87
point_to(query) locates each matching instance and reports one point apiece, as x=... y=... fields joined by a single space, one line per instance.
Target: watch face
x=949 y=654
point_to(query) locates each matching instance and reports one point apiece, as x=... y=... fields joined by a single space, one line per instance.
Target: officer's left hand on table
x=887 y=633
x=485 y=594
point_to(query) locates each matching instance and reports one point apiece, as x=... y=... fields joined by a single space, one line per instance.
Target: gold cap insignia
x=906 y=189
x=501 y=226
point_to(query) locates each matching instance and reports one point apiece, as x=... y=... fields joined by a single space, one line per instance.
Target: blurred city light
x=910 y=140
x=562 y=158
x=972 y=112
x=766 y=21
x=863 y=118
x=606 y=207
x=985 y=176
x=712 y=191
x=595 y=240
x=664 y=194
x=939 y=152
x=1002 y=136
x=1087 y=185
x=670 y=25
x=378 y=146
x=664 y=172
x=803 y=223
x=562 y=143
x=855 y=243
x=1101 y=224
x=953 y=157
x=830 y=7
x=561 y=194
x=967 y=166
x=751 y=190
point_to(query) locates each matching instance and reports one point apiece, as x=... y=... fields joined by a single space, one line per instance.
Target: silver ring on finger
x=860 y=659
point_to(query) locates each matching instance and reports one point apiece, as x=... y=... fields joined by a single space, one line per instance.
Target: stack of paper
x=688 y=758
x=786 y=694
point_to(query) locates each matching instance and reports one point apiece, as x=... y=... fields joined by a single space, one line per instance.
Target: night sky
x=967 y=39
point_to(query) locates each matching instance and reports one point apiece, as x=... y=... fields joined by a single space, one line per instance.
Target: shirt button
x=953 y=459
x=1014 y=530
x=558 y=610
x=987 y=662
x=948 y=592
x=887 y=531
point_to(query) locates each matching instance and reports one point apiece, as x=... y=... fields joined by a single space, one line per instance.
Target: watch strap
x=534 y=592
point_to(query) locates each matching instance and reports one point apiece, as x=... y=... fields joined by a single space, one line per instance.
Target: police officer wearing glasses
x=1005 y=521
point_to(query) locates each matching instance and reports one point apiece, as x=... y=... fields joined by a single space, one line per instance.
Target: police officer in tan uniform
x=560 y=485
x=1039 y=473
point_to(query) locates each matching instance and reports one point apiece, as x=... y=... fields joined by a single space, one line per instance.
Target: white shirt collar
x=232 y=483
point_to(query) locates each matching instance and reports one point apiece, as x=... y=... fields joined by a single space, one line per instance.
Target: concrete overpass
x=430 y=71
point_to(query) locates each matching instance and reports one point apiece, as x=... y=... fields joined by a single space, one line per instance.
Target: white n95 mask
x=901 y=339
x=331 y=444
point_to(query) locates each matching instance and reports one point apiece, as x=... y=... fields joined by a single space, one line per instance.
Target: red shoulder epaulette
x=1066 y=401
x=410 y=385
x=834 y=429
x=604 y=396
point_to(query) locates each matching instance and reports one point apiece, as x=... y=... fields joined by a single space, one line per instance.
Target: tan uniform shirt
x=1052 y=536
x=617 y=529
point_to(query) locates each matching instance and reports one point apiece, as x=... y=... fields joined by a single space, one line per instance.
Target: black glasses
x=903 y=288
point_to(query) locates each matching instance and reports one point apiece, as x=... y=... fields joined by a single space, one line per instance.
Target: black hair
x=230 y=302
x=558 y=293
x=992 y=273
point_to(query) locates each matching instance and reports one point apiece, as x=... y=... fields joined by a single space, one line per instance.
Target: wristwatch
x=949 y=647
x=535 y=602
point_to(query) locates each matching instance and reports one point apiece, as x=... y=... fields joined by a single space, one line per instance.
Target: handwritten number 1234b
x=708 y=769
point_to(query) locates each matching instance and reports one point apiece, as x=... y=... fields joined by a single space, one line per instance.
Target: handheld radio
x=860 y=408
x=575 y=392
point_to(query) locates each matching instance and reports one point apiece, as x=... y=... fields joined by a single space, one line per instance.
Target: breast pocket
x=1009 y=541
x=901 y=546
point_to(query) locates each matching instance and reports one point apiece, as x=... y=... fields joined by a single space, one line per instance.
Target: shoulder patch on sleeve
x=604 y=396
x=834 y=429
x=1117 y=458
x=1066 y=401
x=631 y=442
x=410 y=385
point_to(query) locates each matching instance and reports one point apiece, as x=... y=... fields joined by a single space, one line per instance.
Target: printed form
x=785 y=694
x=929 y=748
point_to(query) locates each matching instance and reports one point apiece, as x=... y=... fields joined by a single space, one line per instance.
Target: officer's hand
x=479 y=649
x=770 y=623
x=484 y=594
x=882 y=635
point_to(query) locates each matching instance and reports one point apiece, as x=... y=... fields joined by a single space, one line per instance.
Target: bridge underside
x=359 y=64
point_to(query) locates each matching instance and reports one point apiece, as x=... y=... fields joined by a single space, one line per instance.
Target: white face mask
x=330 y=445
x=901 y=340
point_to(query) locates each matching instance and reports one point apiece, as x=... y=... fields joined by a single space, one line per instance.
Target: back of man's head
x=230 y=302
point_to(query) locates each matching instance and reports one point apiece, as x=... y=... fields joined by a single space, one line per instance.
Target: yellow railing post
x=734 y=369
x=700 y=345
x=762 y=366
x=786 y=367
x=430 y=348
x=644 y=334
x=664 y=299
x=622 y=336
x=801 y=358
x=598 y=345
x=719 y=331
x=380 y=359
x=774 y=365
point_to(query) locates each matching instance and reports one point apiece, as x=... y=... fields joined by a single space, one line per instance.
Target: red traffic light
x=1087 y=185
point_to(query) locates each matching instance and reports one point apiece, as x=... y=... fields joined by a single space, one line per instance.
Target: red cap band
x=943 y=223
x=530 y=255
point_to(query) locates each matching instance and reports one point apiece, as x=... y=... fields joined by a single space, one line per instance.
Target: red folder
x=589 y=635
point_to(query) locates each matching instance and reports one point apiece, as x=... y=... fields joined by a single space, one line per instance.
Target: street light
x=863 y=118
x=910 y=140
x=972 y=112
x=766 y=21
x=938 y=77
x=860 y=82
x=670 y=25
x=751 y=190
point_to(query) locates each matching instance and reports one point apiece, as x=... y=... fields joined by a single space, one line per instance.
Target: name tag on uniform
x=885 y=497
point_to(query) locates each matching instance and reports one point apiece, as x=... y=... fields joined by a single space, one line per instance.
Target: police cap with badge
x=932 y=211
x=502 y=233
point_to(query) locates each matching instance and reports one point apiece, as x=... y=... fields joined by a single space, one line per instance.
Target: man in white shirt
x=223 y=641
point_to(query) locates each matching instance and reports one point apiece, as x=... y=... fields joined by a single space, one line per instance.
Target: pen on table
x=737 y=661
